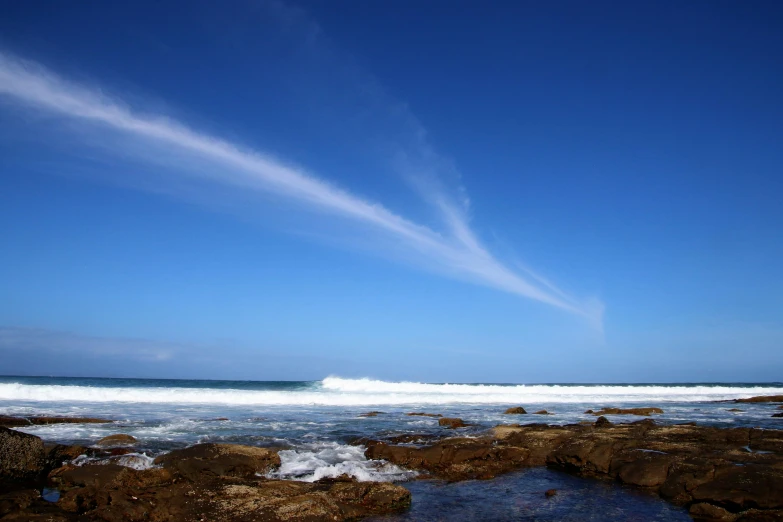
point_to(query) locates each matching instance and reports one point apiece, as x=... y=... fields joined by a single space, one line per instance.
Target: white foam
x=138 y=461
x=335 y=391
x=330 y=460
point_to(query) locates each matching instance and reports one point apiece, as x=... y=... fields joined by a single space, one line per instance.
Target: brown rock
x=22 y=456
x=371 y=414
x=542 y=412
x=59 y=453
x=627 y=411
x=602 y=422
x=550 y=493
x=705 y=511
x=518 y=410
x=736 y=410
x=743 y=487
x=119 y=439
x=762 y=398
x=420 y=414
x=219 y=460
x=647 y=469
x=451 y=423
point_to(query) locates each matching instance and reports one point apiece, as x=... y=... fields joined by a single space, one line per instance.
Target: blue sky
x=438 y=192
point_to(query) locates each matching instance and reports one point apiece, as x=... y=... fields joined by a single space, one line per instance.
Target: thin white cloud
x=461 y=254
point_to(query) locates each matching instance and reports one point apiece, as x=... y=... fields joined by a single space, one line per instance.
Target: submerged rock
x=645 y=412
x=421 y=414
x=542 y=412
x=519 y=410
x=15 y=422
x=550 y=493
x=371 y=414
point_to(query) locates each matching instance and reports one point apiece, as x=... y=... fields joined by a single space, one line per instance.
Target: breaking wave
x=336 y=391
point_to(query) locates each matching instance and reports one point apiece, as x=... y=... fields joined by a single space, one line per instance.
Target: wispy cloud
x=458 y=252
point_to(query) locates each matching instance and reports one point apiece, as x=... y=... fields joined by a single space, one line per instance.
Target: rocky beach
x=709 y=472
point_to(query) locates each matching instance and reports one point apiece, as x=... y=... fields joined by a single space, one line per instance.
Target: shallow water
x=519 y=496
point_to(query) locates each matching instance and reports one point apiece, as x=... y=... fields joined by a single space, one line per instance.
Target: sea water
x=315 y=421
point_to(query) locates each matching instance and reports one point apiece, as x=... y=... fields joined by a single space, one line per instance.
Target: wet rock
x=371 y=414
x=119 y=439
x=11 y=422
x=451 y=423
x=57 y=454
x=22 y=457
x=411 y=438
x=519 y=410
x=777 y=414
x=735 y=410
x=736 y=469
x=743 y=487
x=762 y=398
x=219 y=460
x=705 y=511
x=453 y=459
x=421 y=414
x=550 y=493
x=602 y=422
x=646 y=412
x=542 y=412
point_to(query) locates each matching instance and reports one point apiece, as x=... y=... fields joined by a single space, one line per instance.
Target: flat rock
x=421 y=414
x=519 y=410
x=762 y=398
x=645 y=412
x=15 y=422
x=204 y=461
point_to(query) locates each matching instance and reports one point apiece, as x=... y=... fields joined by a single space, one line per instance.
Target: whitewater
x=336 y=391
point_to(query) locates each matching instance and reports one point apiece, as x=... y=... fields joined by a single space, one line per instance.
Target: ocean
x=317 y=420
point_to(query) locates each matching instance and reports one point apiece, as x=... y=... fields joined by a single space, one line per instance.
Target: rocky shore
x=717 y=473
x=215 y=482
x=727 y=474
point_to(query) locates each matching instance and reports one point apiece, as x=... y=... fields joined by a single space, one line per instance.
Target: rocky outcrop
x=421 y=414
x=645 y=412
x=519 y=410
x=712 y=471
x=216 y=482
x=16 y=422
x=220 y=460
x=22 y=457
x=119 y=439
x=762 y=398
x=371 y=414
